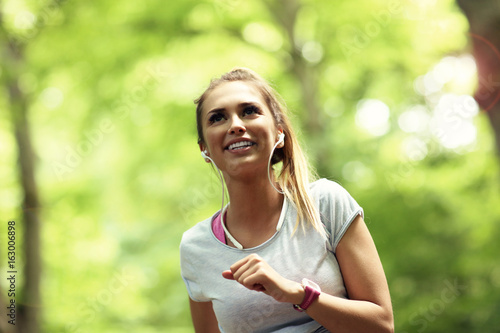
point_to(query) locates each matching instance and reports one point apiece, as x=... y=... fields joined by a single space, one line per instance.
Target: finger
x=246 y=270
x=258 y=287
x=253 y=279
x=228 y=275
x=242 y=266
x=250 y=284
x=237 y=265
x=248 y=278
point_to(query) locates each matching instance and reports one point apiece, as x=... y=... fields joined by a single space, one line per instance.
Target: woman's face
x=238 y=128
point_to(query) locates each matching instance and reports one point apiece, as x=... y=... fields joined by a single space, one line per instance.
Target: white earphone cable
x=204 y=154
x=223 y=209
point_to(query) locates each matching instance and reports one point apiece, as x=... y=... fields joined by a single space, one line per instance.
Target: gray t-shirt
x=304 y=255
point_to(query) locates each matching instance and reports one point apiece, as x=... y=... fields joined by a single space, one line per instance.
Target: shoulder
x=337 y=208
x=331 y=195
x=196 y=235
x=323 y=188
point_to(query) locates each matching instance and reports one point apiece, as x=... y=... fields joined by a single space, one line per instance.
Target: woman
x=284 y=255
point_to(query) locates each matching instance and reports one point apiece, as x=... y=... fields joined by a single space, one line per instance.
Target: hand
x=254 y=273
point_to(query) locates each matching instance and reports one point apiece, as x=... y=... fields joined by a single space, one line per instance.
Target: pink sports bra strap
x=218 y=230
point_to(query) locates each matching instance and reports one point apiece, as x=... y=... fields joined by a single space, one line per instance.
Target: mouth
x=239 y=145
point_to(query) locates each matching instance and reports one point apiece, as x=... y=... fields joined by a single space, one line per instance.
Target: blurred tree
x=484 y=22
x=305 y=74
x=27 y=301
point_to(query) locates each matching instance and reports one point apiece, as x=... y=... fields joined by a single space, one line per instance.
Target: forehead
x=230 y=94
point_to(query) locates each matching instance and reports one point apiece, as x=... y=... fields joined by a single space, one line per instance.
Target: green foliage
x=110 y=87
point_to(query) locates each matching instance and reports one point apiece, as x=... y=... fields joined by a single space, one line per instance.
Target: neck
x=255 y=204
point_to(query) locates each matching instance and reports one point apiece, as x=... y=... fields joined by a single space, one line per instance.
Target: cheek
x=213 y=137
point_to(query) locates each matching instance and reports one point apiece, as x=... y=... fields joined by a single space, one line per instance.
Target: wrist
x=298 y=293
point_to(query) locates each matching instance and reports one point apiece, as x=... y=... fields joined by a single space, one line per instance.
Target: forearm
x=343 y=315
x=204 y=320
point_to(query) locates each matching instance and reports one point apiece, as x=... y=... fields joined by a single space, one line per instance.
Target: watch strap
x=310 y=296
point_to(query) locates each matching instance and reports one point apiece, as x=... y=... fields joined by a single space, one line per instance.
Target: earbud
x=281 y=138
x=204 y=154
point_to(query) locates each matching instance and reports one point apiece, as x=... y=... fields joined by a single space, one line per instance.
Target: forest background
x=100 y=169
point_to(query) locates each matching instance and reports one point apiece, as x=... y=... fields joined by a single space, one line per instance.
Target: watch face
x=309 y=283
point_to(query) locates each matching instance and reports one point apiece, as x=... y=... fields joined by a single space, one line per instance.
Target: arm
x=204 y=320
x=368 y=308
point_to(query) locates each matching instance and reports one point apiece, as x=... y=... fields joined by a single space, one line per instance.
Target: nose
x=236 y=126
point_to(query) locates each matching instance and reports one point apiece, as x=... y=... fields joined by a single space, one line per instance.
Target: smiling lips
x=240 y=145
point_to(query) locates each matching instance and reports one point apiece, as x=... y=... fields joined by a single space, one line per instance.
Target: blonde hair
x=296 y=172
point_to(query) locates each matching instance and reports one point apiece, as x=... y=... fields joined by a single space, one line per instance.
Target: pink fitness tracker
x=312 y=293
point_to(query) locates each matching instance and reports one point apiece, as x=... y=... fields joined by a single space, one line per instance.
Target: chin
x=245 y=170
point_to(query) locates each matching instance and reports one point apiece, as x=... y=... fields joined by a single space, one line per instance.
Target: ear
x=203 y=149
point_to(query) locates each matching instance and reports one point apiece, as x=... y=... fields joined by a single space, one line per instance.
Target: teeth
x=240 y=144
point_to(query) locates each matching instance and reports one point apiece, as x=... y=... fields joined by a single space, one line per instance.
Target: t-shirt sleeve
x=188 y=272
x=337 y=209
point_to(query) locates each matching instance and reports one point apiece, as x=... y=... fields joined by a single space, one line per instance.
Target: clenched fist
x=254 y=273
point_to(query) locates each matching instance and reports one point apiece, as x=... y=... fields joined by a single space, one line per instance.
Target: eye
x=250 y=109
x=216 y=117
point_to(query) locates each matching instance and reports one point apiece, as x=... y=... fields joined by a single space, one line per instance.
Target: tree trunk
x=30 y=304
x=5 y=327
x=285 y=13
x=484 y=22
x=28 y=301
